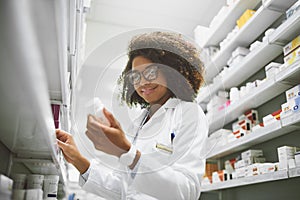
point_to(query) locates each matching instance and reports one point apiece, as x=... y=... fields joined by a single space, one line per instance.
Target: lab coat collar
x=170 y=104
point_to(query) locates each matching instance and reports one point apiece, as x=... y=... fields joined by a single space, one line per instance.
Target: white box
x=240 y=51
x=239 y=164
x=272 y=69
x=269 y=119
x=283 y=165
x=291 y=46
x=252 y=160
x=287 y=109
x=297 y=159
x=5 y=185
x=291 y=163
x=34 y=194
x=267 y=168
x=287 y=149
x=18 y=194
x=252 y=153
x=240 y=172
x=292 y=93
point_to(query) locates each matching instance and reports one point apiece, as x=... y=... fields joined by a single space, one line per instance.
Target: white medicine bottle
x=98 y=108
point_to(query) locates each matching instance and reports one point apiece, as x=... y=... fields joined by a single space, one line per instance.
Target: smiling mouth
x=147 y=91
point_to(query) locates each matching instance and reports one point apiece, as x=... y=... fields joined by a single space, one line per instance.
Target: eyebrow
x=151 y=64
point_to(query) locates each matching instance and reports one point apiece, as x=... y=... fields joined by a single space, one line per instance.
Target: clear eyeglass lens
x=150 y=73
x=134 y=77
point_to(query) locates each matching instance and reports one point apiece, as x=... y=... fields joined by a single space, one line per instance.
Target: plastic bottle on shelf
x=234 y=94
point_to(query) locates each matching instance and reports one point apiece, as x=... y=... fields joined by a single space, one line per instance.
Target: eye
x=151 y=72
x=134 y=77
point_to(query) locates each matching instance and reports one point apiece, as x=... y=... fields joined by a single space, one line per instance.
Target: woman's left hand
x=109 y=139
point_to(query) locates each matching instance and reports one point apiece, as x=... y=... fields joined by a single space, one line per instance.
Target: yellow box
x=292 y=57
x=291 y=46
x=244 y=18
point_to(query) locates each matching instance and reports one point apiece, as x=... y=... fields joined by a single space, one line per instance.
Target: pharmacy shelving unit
x=255 y=60
x=260 y=95
x=273 y=176
x=274 y=130
x=268 y=95
x=265 y=16
x=219 y=32
x=38 y=42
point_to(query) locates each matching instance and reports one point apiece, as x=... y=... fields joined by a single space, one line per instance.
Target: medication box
x=295 y=43
x=292 y=93
x=292 y=57
x=285 y=153
x=244 y=18
x=252 y=153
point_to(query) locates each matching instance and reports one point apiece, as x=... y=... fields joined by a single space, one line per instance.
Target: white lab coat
x=159 y=174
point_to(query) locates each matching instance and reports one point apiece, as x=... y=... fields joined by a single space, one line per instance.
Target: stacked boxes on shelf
x=271 y=118
x=210 y=167
x=291 y=51
x=286 y=157
x=292 y=102
x=35 y=186
x=248 y=165
x=245 y=123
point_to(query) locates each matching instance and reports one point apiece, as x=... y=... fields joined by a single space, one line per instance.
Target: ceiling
x=178 y=15
x=108 y=20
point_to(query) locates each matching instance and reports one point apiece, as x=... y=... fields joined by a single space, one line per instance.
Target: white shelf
x=256 y=25
x=290 y=74
x=33 y=57
x=51 y=32
x=279 y=4
x=292 y=119
x=274 y=176
x=287 y=31
x=219 y=31
x=262 y=94
x=264 y=134
x=42 y=166
x=252 y=63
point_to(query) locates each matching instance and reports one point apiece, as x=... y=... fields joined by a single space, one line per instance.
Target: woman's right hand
x=70 y=151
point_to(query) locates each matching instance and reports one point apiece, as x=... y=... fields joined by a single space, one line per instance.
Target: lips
x=148 y=90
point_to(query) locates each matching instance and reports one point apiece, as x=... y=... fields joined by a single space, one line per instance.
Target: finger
x=61 y=135
x=113 y=122
x=92 y=121
x=61 y=144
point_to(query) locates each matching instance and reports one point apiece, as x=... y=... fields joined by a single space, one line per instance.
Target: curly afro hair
x=181 y=63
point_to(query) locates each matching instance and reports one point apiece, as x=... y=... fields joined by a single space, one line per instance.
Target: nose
x=143 y=81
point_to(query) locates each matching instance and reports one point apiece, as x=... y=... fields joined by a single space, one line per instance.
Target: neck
x=156 y=105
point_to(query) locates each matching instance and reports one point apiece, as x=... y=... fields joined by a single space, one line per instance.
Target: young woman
x=161 y=155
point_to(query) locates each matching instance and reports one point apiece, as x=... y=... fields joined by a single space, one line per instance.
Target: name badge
x=164 y=148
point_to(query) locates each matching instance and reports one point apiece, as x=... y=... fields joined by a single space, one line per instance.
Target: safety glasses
x=149 y=74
